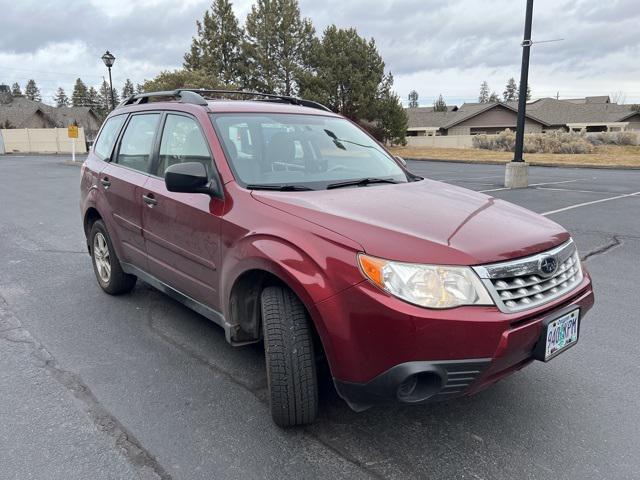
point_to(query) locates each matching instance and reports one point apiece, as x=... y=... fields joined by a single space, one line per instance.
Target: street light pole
x=109 y=60
x=113 y=102
x=524 y=80
x=517 y=174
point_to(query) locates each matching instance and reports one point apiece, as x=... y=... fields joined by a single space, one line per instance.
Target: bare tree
x=413 y=99
x=618 y=97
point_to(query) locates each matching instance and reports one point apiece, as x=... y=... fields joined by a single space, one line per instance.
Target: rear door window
x=137 y=142
x=108 y=135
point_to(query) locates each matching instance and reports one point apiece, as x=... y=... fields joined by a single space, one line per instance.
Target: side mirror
x=402 y=161
x=189 y=177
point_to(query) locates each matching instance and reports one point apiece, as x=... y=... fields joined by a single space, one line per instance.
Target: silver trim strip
x=526 y=265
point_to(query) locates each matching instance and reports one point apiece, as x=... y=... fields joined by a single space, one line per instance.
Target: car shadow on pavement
x=395 y=432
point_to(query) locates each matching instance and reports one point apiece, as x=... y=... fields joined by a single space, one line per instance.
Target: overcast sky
x=435 y=47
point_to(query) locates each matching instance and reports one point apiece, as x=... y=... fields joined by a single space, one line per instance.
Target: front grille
x=522 y=284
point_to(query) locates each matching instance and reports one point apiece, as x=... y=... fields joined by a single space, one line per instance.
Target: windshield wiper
x=339 y=142
x=279 y=188
x=361 y=182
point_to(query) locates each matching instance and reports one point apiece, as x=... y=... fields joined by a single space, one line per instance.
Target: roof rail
x=185 y=96
x=196 y=96
x=267 y=97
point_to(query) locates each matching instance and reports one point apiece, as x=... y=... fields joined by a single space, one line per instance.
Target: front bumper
x=384 y=350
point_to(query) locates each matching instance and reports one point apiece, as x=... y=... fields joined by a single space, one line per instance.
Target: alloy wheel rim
x=101 y=257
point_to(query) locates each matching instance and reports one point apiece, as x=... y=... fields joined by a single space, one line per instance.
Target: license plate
x=562 y=333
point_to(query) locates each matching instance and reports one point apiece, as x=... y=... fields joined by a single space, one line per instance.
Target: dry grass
x=605 y=155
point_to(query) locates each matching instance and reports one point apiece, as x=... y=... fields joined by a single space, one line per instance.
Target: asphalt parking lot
x=138 y=386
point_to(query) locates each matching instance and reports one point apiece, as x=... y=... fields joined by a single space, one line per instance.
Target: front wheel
x=289 y=353
x=111 y=278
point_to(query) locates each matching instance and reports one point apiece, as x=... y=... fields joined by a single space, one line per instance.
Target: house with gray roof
x=20 y=112
x=589 y=114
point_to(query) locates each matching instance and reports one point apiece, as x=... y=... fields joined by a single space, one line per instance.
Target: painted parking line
x=466 y=179
x=533 y=185
x=471 y=181
x=572 y=190
x=579 y=205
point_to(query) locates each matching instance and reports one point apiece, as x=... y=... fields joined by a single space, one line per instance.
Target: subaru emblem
x=548 y=265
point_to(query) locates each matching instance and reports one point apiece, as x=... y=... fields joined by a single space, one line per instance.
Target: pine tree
x=128 y=89
x=391 y=116
x=278 y=46
x=413 y=99
x=93 y=99
x=510 y=93
x=79 y=96
x=32 y=92
x=61 y=98
x=484 y=92
x=216 y=48
x=439 y=105
x=105 y=98
x=348 y=73
x=116 y=97
x=15 y=89
x=494 y=97
x=528 y=92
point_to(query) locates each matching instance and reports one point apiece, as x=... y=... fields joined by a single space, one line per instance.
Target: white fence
x=443 y=141
x=40 y=140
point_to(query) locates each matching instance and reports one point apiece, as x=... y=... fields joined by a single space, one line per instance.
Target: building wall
x=634 y=122
x=41 y=140
x=441 y=141
x=496 y=117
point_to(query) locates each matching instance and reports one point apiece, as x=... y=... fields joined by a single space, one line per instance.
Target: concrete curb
x=531 y=163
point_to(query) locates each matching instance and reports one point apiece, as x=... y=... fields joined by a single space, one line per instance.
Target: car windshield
x=285 y=151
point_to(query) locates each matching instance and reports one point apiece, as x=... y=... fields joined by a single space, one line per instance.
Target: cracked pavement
x=138 y=386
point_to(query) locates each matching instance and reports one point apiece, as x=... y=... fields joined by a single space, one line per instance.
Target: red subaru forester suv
x=287 y=224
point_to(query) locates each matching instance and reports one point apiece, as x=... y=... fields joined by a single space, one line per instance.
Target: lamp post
x=517 y=174
x=108 y=60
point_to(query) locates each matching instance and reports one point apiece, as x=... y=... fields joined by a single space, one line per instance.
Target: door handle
x=149 y=199
x=106 y=183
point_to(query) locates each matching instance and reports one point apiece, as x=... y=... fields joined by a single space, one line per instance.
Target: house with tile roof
x=20 y=112
x=589 y=114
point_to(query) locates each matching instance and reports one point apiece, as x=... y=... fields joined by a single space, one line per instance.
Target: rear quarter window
x=108 y=135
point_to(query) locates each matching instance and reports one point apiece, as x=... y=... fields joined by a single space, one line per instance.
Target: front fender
x=314 y=275
x=314 y=270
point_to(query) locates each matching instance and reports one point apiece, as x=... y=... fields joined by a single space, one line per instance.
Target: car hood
x=424 y=221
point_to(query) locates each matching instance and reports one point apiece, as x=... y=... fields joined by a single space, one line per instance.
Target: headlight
x=431 y=286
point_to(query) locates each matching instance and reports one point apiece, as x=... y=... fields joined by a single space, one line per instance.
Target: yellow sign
x=72 y=131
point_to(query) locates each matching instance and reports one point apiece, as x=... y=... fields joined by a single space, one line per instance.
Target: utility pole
x=517 y=174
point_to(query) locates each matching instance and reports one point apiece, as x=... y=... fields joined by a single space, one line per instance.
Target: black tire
x=118 y=282
x=289 y=354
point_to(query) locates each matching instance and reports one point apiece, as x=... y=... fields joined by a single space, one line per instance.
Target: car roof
x=226 y=106
x=240 y=106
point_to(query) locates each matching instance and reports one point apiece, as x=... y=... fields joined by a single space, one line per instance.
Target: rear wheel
x=111 y=278
x=289 y=353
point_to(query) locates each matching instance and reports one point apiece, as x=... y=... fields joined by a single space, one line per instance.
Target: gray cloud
x=430 y=45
